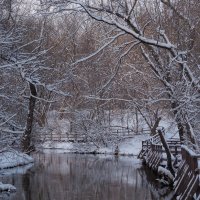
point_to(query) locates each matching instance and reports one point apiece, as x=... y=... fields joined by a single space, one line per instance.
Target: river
x=59 y=176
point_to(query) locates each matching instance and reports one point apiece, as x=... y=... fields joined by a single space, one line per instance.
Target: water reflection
x=82 y=177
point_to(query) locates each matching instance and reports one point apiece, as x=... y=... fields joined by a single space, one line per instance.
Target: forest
x=86 y=59
x=89 y=67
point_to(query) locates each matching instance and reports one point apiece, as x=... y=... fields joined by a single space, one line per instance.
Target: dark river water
x=58 y=176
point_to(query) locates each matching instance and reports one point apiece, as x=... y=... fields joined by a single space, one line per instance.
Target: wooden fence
x=187 y=180
x=115 y=131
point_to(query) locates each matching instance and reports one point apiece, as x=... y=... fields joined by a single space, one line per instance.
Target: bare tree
x=170 y=53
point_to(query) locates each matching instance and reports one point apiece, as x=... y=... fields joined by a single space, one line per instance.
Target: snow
x=7 y=187
x=129 y=146
x=196 y=197
x=58 y=145
x=11 y=158
x=133 y=146
x=164 y=171
x=122 y=118
x=170 y=127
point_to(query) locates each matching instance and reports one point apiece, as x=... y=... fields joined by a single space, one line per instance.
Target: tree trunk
x=178 y=121
x=26 y=138
x=167 y=150
x=137 y=120
x=155 y=126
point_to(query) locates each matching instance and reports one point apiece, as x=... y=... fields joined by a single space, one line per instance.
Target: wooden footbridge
x=73 y=136
x=186 y=184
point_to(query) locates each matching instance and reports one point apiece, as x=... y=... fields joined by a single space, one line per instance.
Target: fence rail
x=123 y=132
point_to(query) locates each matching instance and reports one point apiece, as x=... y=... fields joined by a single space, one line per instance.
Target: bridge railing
x=187 y=180
x=147 y=145
x=114 y=131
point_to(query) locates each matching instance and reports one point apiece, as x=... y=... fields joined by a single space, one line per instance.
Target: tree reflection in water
x=84 y=177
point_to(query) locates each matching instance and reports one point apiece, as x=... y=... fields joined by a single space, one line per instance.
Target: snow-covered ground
x=7 y=187
x=9 y=160
x=130 y=146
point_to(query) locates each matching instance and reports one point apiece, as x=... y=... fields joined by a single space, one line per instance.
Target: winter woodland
x=96 y=68
x=91 y=61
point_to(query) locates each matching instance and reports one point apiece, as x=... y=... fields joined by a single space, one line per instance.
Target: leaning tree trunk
x=26 y=138
x=167 y=150
x=155 y=126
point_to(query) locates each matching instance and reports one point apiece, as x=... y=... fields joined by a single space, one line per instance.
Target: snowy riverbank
x=7 y=187
x=128 y=147
x=10 y=159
